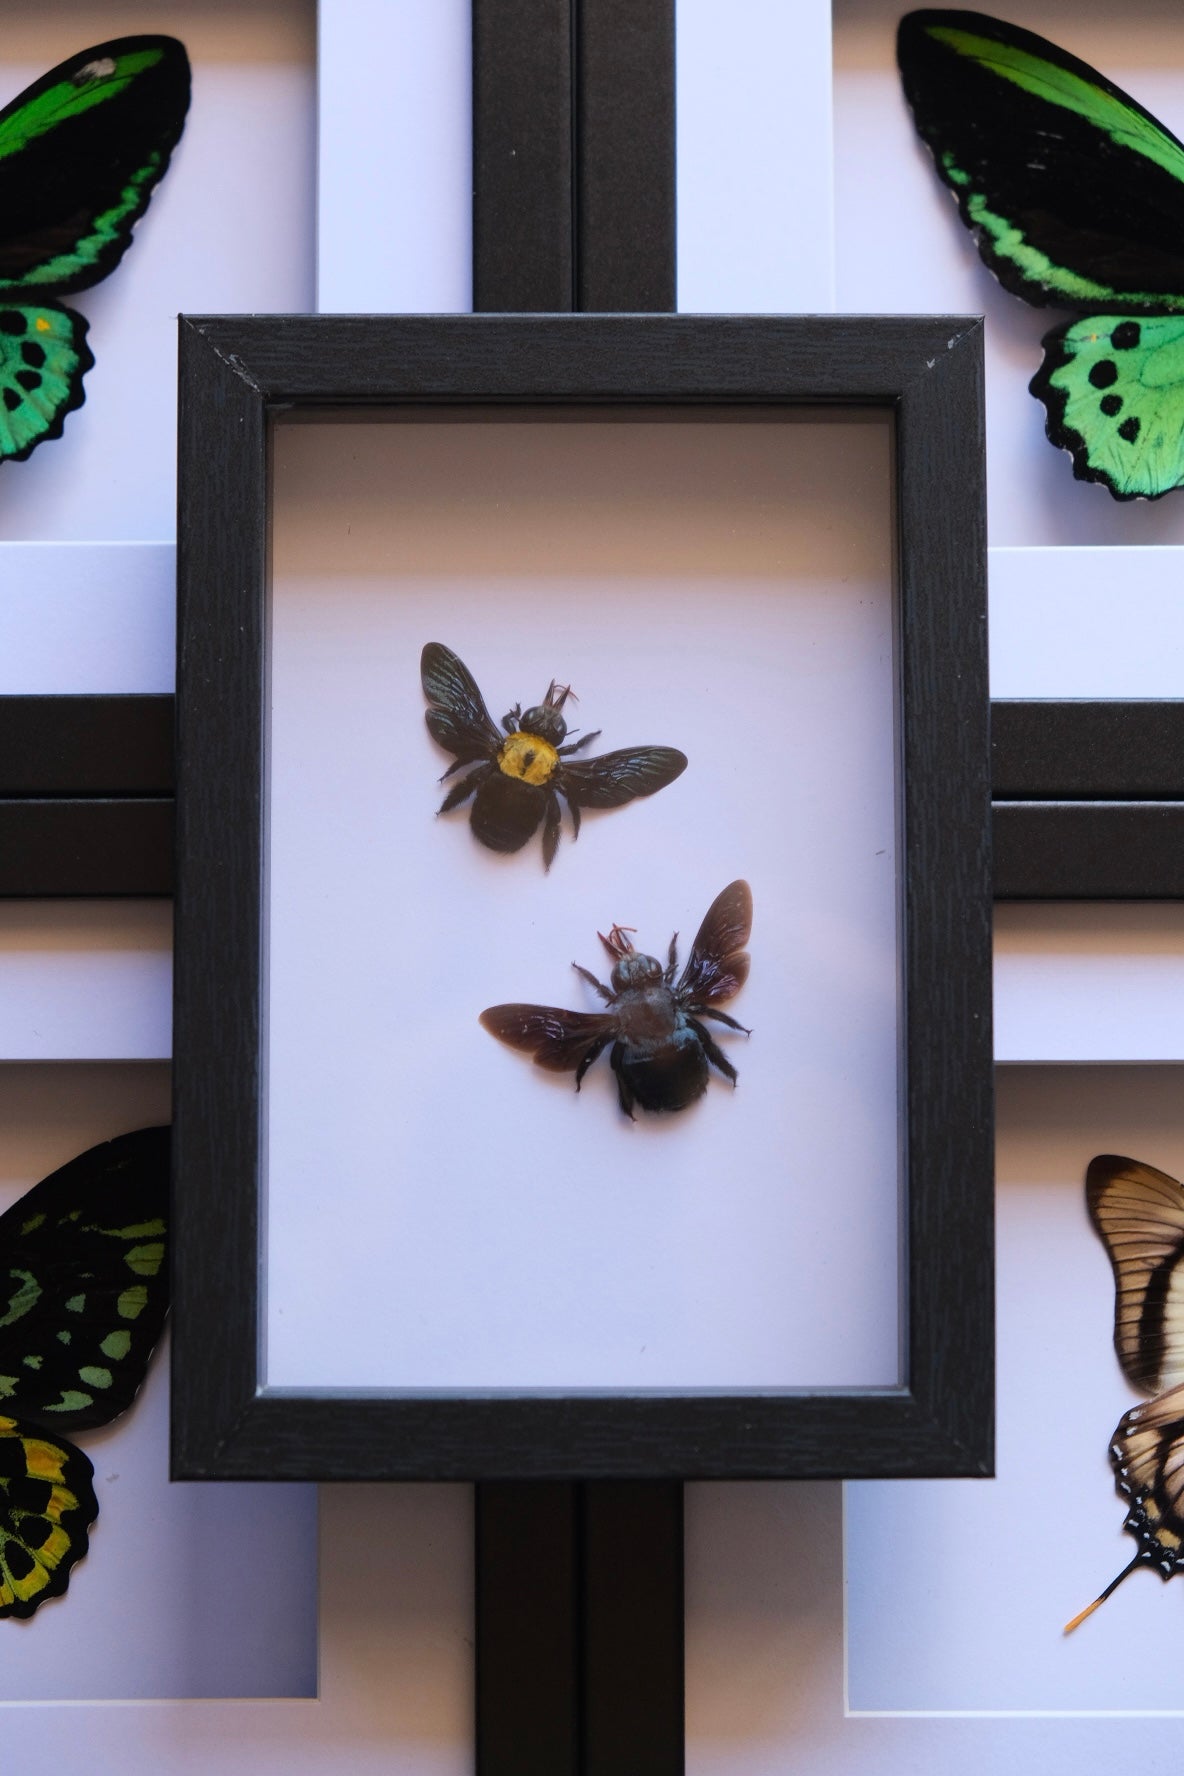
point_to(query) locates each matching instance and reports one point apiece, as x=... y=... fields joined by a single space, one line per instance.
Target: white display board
x=1080 y=606
x=723 y=586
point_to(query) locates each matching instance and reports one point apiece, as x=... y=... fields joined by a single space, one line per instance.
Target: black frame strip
x=523 y=156
x=624 y=164
x=573 y=156
x=1087 y=750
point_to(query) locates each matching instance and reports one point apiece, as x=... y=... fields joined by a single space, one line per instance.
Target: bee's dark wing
x=717 y=966
x=557 y=1039
x=458 y=718
x=617 y=777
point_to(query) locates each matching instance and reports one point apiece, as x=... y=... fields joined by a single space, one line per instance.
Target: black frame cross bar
x=1088 y=798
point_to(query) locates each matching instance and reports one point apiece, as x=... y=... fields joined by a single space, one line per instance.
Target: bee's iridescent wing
x=717 y=966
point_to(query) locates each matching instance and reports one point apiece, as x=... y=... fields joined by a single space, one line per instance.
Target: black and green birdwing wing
x=1074 y=192
x=81 y=151
x=84 y=1284
x=1075 y=196
x=83 y=1294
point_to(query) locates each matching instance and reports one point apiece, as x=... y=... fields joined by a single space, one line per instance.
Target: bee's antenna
x=558 y=694
x=616 y=943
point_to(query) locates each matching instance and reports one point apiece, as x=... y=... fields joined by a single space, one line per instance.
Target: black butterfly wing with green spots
x=80 y=153
x=1075 y=196
x=84 y=1284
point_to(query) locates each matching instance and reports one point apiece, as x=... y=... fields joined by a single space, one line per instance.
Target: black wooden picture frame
x=236 y=375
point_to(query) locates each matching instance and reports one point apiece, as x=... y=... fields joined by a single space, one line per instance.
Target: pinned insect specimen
x=522 y=771
x=85 y=1289
x=1075 y=196
x=81 y=151
x=1139 y=1213
x=660 y=1048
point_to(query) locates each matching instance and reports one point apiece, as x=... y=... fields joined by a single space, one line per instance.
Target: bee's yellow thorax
x=527 y=757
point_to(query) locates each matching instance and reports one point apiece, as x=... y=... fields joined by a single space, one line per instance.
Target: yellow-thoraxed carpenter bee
x=521 y=773
x=660 y=1048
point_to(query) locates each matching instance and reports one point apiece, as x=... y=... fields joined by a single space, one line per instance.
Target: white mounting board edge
x=755 y=193
x=1087 y=622
x=87 y=617
x=397 y=73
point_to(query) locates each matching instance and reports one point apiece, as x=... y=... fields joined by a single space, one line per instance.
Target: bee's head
x=544 y=719
x=631 y=969
x=636 y=970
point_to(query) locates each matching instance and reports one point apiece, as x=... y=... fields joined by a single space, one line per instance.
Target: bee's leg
x=454 y=767
x=713 y=1051
x=624 y=1095
x=460 y=792
x=721 y=1017
x=671 y=961
x=551 y=819
x=588 y=1059
x=578 y=745
x=511 y=720
x=595 y=985
x=574 y=811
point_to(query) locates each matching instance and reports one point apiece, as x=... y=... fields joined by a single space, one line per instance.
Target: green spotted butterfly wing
x=80 y=153
x=83 y=1295
x=1075 y=196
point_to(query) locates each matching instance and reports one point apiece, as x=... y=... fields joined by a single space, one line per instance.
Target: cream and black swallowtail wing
x=1139 y=1214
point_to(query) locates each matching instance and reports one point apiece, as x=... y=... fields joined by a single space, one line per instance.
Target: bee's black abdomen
x=672 y=1077
x=507 y=812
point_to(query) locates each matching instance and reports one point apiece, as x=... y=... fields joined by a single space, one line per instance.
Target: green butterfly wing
x=1074 y=193
x=43 y=358
x=80 y=152
x=47 y=1504
x=84 y=1283
x=1114 y=390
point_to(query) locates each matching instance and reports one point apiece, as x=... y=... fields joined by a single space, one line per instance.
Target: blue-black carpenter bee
x=660 y=1048
x=522 y=772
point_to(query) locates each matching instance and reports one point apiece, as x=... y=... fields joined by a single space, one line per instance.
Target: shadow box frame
x=237 y=375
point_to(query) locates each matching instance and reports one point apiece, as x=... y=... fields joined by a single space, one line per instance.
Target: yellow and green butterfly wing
x=83 y=1295
x=47 y=1505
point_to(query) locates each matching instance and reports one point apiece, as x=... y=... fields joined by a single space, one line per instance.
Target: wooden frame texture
x=236 y=374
